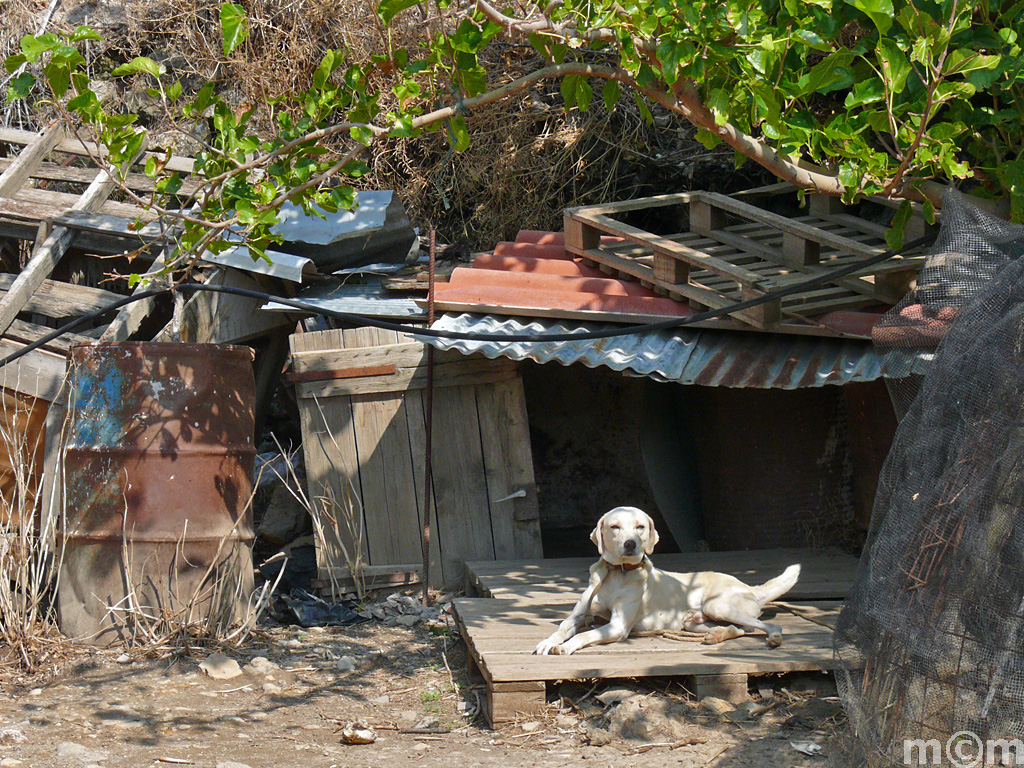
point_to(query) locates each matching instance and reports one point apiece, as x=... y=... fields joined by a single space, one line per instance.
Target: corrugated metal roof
x=706 y=357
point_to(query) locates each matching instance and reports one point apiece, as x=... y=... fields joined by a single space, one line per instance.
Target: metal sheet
x=369 y=300
x=285 y=265
x=701 y=356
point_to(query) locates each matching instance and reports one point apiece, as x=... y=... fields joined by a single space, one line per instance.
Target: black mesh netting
x=931 y=641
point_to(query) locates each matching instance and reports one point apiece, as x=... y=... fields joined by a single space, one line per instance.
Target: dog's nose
x=629 y=545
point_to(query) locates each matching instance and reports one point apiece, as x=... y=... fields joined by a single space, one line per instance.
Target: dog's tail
x=777 y=587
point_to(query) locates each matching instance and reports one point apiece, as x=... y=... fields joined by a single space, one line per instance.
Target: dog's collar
x=627 y=566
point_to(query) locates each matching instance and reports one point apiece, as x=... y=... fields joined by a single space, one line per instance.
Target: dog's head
x=624 y=535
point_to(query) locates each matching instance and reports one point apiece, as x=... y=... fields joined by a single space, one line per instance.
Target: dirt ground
x=299 y=688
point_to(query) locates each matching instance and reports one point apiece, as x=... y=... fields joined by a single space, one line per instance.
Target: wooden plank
x=405 y=355
x=347 y=373
x=506 y=656
x=60 y=300
x=386 y=471
x=730 y=687
x=220 y=318
x=666 y=246
x=74 y=146
x=28 y=333
x=62 y=202
x=39 y=374
x=416 y=416
x=137 y=182
x=49 y=252
x=508 y=466
x=459 y=477
x=790 y=226
x=643 y=203
x=692 y=290
x=36 y=150
x=332 y=463
x=446 y=375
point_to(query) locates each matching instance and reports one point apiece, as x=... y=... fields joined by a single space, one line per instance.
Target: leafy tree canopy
x=890 y=97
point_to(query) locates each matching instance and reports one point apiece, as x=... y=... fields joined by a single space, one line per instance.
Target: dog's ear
x=597 y=535
x=652 y=536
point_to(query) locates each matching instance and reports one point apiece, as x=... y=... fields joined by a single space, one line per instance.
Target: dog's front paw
x=561 y=650
x=774 y=639
x=546 y=647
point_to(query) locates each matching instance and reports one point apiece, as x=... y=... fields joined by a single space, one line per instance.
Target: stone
x=345 y=664
x=715 y=706
x=124 y=658
x=407 y=620
x=12 y=736
x=530 y=727
x=381 y=700
x=70 y=750
x=220 y=667
x=231 y=764
x=615 y=695
x=10 y=762
x=272 y=688
x=261 y=665
x=36 y=692
x=428 y=723
x=421 y=747
x=598 y=737
x=409 y=716
x=565 y=721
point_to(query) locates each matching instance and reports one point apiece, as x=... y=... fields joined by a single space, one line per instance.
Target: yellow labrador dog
x=633 y=595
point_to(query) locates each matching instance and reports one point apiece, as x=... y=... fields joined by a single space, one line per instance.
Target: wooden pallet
x=734 y=251
x=526 y=600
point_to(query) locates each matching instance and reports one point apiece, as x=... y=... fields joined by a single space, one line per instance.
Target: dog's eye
x=639 y=527
x=615 y=527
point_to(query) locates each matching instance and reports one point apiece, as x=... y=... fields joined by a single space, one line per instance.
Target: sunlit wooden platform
x=523 y=602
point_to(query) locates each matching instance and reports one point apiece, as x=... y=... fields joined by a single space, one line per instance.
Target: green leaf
x=234 y=25
x=84 y=33
x=33 y=46
x=961 y=61
x=362 y=134
x=897 y=228
x=388 y=9
x=718 y=102
x=611 y=92
x=356 y=168
x=140 y=64
x=458 y=133
x=474 y=80
x=865 y=92
x=879 y=11
x=20 y=87
x=895 y=66
x=568 y=89
x=12 y=63
x=584 y=94
x=830 y=74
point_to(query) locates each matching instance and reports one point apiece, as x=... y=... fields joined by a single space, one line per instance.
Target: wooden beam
x=19 y=171
x=74 y=146
x=49 y=252
x=219 y=318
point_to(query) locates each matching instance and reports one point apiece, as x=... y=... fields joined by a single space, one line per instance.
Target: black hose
x=347 y=317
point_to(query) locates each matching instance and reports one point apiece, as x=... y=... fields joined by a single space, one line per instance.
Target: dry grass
x=529 y=158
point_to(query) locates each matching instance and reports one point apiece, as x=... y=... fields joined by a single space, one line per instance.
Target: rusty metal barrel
x=158 y=464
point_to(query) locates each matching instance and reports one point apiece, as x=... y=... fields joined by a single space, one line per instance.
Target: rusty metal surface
x=707 y=357
x=160 y=441
x=158 y=474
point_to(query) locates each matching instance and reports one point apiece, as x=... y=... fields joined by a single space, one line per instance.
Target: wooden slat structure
x=523 y=602
x=727 y=250
x=361 y=402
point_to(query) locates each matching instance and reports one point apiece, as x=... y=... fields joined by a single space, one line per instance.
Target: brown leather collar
x=627 y=567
